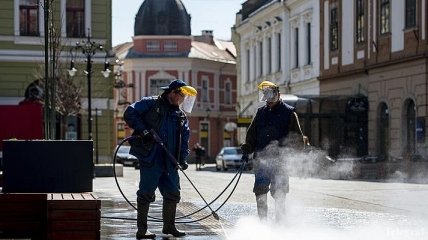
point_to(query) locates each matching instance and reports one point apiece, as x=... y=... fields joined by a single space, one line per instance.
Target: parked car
x=134 y=160
x=231 y=157
x=124 y=157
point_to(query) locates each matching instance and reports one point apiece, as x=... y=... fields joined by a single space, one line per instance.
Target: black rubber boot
x=262 y=208
x=142 y=211
x=280 y=208
x=168 y=213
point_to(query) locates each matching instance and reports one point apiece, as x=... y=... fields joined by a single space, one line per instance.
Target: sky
x=216 y=15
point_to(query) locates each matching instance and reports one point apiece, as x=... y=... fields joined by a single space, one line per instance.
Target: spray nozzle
x=215 y=215
x=246 y=148
x=330 y=159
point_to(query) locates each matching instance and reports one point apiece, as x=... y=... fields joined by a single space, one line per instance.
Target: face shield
x=268 y=94
x=189 y=98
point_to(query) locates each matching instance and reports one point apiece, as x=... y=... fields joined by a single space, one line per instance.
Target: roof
x=122 y=49
x=162 y=17
x=220 y=51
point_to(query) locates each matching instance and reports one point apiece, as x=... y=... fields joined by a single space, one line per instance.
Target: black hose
x=154 y=219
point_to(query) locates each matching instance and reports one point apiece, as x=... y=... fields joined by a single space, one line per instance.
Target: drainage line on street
x=154 y=219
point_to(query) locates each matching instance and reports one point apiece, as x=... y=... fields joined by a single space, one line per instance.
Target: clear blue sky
x=216 y=15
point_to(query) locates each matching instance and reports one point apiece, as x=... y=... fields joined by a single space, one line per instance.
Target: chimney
x=207 y=33
x=206 y=37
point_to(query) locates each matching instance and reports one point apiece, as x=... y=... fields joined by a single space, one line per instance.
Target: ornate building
x=163 y=49
x=277 y=40
x=377 y=49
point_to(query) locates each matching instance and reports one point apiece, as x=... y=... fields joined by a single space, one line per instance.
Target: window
x=410 y=13
x=28 y=17
x=204 y=90
x=156 y=84
x=227 y=93
x=255 y=62
x=152 y=46
x=75 y=18
x=279 y=51
x=261 y=59
x=204 y=135
x=411 y=127
x=383 y=130
x=248 y=65
x=296 y=47
x=334 y=29
x=360 y=21
x=120 y=126
x=269 y=55
x=308 y=43
x=170 y=46
x=384 y=16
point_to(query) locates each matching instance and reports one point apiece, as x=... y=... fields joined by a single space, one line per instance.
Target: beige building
x=378 y=49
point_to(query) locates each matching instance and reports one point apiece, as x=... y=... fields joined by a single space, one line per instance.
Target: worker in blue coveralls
x=165 y=114
x=275 y=125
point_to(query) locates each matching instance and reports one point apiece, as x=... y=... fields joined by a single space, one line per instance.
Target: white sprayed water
x=224 y=230
x=318 y=223
x=251 y=228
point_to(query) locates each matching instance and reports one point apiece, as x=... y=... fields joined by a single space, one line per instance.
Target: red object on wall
x=24 y=122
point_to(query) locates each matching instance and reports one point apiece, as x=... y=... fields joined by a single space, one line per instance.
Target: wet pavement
x=118 y=217
x=315 y=209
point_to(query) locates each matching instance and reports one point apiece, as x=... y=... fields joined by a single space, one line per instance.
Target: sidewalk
x=114 y=205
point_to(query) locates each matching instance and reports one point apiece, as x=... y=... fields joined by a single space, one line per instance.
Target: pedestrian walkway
x=115 y=206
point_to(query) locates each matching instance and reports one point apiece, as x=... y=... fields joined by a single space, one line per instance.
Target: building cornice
x=39 y=41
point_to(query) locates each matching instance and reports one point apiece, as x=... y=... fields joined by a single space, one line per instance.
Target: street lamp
x=88 y=49
x=120 y=84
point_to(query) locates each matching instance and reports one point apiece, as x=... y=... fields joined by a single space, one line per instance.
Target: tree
x=61 y=91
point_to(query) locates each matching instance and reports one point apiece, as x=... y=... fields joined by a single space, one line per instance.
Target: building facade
x=162 y=50
x=22 y=58
x=277 y=41
x=378 y=49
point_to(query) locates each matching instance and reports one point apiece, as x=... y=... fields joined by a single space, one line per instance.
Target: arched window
x=383 y=128
x=410 y=135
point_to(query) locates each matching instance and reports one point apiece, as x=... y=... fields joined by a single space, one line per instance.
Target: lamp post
x=88 y=49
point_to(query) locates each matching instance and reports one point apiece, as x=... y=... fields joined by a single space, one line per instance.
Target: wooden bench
x=73 y=216
x=50 y=216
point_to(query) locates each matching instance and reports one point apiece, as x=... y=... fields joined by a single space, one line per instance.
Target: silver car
x=124 y=157
x=230 y=157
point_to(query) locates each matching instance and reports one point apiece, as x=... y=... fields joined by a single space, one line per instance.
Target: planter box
x=45 y=166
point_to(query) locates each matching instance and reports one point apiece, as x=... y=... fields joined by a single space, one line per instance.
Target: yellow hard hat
x=267 y=84
x=182 y=86
x=188 y=90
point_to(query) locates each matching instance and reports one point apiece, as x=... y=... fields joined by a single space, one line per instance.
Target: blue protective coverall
x=268 y=131
x=156 y=168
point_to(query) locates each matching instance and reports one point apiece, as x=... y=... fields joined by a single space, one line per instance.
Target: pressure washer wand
x=175 y=162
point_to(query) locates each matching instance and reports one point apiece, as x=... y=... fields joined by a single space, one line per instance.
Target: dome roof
x=162 y=17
